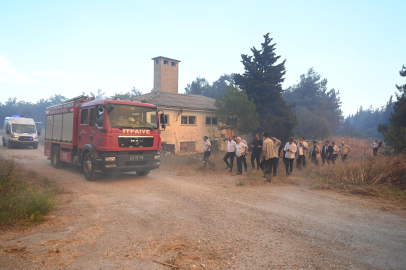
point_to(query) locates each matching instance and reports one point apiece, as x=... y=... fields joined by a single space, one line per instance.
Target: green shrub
x=23 y=196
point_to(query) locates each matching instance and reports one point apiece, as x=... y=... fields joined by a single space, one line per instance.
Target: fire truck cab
x=104 y=135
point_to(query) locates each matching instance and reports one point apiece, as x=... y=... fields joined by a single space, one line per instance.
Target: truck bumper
x=130 y=163
x=23 y=143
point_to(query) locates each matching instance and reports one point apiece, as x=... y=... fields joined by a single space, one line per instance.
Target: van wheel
x=55 y=159
x=142 y=173
x=35 y=146
x=4 y=142
x=10 y=144
x=89 y=166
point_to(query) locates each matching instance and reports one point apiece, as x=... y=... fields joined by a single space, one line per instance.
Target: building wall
x=179 y=134
x=166 y=75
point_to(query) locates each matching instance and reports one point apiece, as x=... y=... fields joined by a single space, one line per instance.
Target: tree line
x=255 y=102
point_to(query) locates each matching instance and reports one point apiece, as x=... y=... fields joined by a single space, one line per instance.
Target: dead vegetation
x=185 y=253
x=362 y=173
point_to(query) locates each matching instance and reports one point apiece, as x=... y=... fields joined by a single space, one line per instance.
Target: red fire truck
x=104 y=135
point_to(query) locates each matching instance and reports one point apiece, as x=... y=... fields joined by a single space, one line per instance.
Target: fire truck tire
x=55 y=159
x=89 y=166
x=142 y=173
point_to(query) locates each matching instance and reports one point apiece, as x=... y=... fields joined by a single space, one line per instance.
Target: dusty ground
x=201 y=222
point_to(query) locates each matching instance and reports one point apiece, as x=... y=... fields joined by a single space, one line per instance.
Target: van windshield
x=130 y=116
x=20 y=128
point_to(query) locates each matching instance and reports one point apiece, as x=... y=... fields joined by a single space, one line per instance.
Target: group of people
x=267 y=151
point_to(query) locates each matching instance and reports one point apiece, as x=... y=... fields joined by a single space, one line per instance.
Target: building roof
x=181 y=101
x=167 y=58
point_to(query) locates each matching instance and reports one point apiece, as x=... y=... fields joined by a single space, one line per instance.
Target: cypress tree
x=262 y=81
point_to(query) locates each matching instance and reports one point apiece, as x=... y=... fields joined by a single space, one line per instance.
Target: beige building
x=189 y=117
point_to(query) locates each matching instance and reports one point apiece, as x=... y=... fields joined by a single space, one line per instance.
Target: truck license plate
x=136 y=158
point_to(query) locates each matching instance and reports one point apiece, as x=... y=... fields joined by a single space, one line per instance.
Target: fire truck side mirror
x=39 y=133
x=109 y=108
x=162 y=118
x=8 y=131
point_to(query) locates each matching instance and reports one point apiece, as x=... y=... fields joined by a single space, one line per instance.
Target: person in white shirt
x=300 y=155
x=290 y=149
x=306 y=147
x=268 y=155
x=245 y=159
x=231 y=145
x=240 y=151
x=375 y=146
x=206 y=151
x=336 y=150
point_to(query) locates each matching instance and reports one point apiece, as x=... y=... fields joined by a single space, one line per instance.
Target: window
x=211 y=121
x=157 y=61
x=166 y=119
x=188 y=120
x=165 y=62
x=173 y=64
x=83 y=117
x=187 y=146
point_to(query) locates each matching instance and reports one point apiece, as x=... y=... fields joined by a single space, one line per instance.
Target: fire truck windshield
x=129 y=116
x=20 y=128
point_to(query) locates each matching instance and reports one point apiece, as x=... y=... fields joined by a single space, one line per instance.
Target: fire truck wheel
x=55 y=159
x=142 y=173
x=89 y=165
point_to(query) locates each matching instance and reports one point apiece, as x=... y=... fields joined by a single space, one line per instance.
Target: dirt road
x=201 y=222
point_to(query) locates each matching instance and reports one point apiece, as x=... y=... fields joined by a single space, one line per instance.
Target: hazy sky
x=67 y=47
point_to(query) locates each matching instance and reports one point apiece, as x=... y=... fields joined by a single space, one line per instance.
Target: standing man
x=301 y=154
x=267 y=155
x=335 y=153
x=277 y=145
x=305 y=145
x=230 y=153
x=206 y=151
x=375 y=147
x=240 y=151
x=315 y=153
x=244 y=161
x=296 y=142
x=256 y=151
x=344 y=150
x=326 y=153
x=290 y=149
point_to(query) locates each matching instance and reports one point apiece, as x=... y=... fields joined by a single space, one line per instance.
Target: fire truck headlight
x=110 y=159
x=157 y=156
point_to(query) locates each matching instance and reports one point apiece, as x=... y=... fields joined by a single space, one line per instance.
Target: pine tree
x=395 y=133
x=312 y=93
x=262 y=81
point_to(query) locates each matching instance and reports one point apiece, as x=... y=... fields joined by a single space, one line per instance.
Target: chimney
x=166 y=74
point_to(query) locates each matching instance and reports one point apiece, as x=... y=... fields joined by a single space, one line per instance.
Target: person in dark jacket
x=326 y=153
x=256 y=151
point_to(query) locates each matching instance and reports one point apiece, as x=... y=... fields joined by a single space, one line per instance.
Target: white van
x=19 y=131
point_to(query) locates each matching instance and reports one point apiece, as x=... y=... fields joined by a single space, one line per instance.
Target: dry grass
x=361 y=173
x=189 y=254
